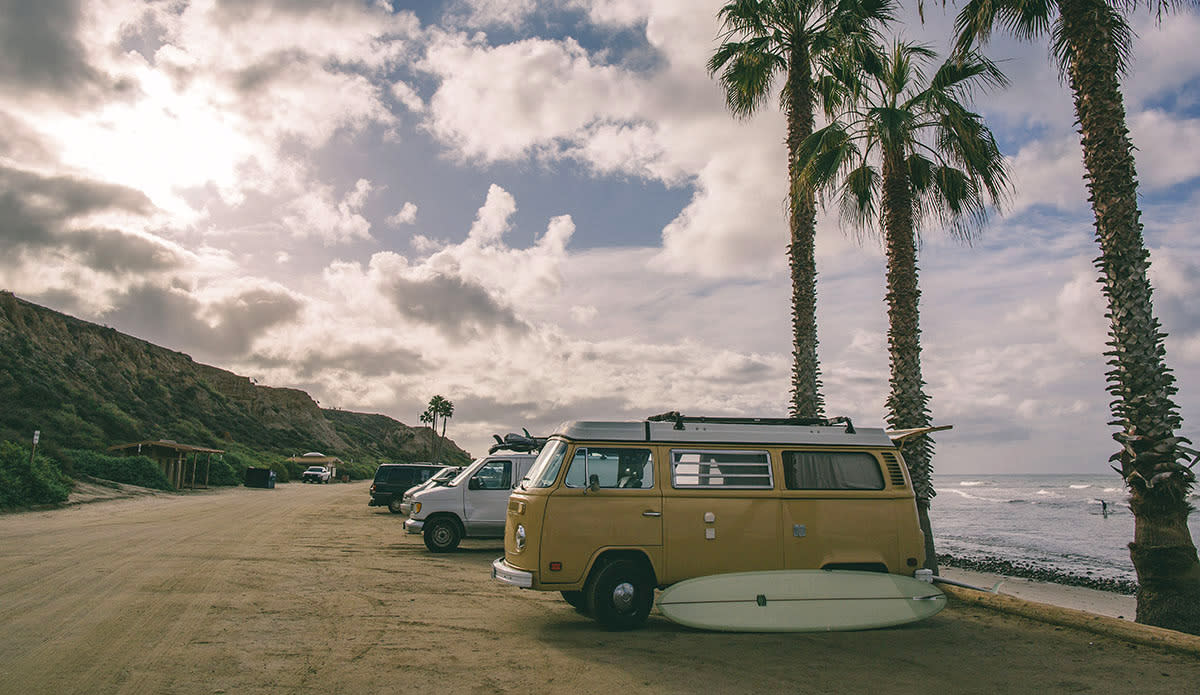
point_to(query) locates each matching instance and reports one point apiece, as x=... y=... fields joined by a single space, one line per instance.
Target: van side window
x=611 y=467
x=721 y=468
x=831 y=470
x=494 y=475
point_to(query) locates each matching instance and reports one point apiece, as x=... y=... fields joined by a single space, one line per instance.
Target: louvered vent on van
x=893 y=466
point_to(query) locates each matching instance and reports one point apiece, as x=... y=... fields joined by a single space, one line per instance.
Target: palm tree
x=427 y=417
x=445 y=409
x=1092 y=40
x=903 y=152
x=763 y=39
x=441 y=408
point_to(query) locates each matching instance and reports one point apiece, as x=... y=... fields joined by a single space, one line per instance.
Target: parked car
x=472 y=505
x=439 y=479
x=612 y=510
x=315 y=474
x=393 y=479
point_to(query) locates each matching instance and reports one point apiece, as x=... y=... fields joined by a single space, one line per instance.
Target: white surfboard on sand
x=800 y=601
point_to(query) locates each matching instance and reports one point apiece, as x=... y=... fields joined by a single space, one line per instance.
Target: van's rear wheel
x=619 y=595
x=394 y=504
x=441 y=535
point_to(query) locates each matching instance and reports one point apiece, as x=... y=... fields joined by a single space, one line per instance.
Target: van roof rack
x=676 y=417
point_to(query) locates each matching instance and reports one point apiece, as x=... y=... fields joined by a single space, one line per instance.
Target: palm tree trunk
x=802 y=220
x=907 y=402
x=1162 y=550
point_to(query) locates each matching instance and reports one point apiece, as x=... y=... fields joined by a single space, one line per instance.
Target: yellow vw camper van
x=611 y=510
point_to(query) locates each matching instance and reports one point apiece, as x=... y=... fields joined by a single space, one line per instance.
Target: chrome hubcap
x=622 y=597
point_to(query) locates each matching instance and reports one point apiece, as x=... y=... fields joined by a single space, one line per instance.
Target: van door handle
x=651 y=513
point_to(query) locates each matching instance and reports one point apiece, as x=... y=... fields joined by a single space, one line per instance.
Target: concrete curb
x=1081 y=620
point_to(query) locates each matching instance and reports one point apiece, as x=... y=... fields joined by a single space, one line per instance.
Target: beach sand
x=305 y=588
x=1074 y=597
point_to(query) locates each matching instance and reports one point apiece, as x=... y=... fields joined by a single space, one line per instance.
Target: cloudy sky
x=542 y=210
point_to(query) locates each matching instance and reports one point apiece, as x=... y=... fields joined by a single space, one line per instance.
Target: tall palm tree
x=904 y=152
x=445 y=408
x=762 y=40
x=427 y=418
x=439 y=408
x=1092 y=41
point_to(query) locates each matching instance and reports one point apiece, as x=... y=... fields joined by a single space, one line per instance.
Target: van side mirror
x=593 y=486
x=473 y=484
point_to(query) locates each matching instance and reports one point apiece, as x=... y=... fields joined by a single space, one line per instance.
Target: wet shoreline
x=1024 y=570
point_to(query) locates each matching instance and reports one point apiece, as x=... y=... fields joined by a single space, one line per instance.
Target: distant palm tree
x=427 y=418
x=762 y=40
x=905 y=152
x=439 y=408
x=446 y=410
x=1092 y=41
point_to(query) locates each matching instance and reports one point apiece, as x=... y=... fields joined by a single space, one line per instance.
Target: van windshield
x=464 y=473
x=545 y=469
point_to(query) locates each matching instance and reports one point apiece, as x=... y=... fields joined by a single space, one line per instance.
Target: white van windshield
x=545 y=469
x=465 y=473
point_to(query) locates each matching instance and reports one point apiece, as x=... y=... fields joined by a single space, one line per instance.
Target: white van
x=472 y=505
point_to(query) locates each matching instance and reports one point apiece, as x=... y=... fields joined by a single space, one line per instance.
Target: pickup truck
x=315 y=474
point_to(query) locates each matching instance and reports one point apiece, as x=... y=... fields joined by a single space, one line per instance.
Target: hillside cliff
x=88 y=386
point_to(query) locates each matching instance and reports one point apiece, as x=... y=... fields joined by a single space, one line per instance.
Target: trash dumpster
x=260 y=477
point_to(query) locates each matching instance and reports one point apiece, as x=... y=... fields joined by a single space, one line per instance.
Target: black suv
x=393 y=479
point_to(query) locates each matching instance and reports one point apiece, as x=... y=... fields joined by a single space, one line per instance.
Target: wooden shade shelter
x=172 y=458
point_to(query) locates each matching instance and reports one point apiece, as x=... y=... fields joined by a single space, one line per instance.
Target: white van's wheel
x=441 y=535
x=619 y=595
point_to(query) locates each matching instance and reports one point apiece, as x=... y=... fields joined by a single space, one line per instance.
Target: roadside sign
x=36 y=435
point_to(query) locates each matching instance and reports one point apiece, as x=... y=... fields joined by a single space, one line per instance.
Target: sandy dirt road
x=306 y=589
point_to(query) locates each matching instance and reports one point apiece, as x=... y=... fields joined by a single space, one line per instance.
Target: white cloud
x=1048 y=173
x=501 y=103
x=1160 y=137
x=408 y=96
x=490 y=13
x=318 y=215
x=406 y=215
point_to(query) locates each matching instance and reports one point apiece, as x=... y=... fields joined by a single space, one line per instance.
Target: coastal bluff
x=89 y=386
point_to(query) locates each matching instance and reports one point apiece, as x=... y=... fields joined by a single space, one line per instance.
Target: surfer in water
x=1104 y=508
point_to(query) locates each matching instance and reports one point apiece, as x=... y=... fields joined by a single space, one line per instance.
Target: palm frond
x=824 y=155
x=745 y=18
x=1025 y=19
x=859 y=198
x=747 y=68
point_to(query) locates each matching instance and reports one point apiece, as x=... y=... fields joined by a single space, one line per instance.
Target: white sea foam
x=1048 y=493
x=966 y=495
x=1080 y=487
x=971 y=483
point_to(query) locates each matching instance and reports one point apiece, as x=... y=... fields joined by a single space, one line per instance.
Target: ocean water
x=1050 y=521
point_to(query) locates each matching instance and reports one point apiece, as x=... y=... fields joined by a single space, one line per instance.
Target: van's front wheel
x=619 y=595
x=441 y=535
x=576 y=599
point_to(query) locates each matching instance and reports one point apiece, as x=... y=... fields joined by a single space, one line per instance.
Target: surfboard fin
x=994 y=590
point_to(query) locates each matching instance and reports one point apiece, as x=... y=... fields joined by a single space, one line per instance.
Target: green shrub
x=282 y=475
x=134 y=470
x=226 y=470
x=22 y=485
